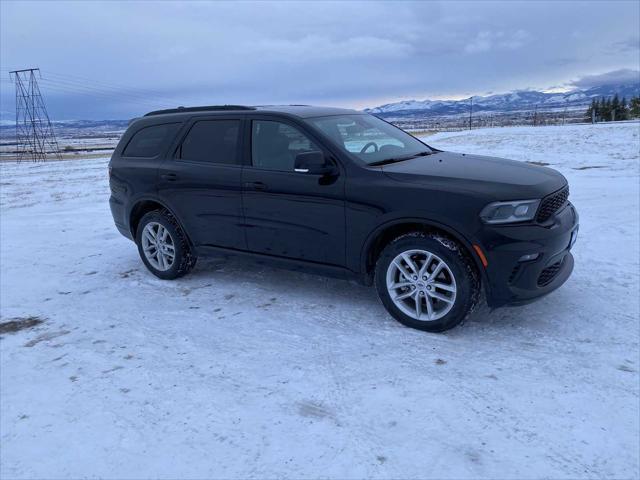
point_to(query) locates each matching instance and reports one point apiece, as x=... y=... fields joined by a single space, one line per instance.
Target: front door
x=290 y=214
x=202 y=183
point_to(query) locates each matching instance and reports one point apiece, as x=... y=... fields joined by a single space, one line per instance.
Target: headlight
x=509 y=212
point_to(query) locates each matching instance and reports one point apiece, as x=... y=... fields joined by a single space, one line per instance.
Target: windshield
x=370 y=139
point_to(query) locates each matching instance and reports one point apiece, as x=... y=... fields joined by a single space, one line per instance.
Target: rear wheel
x=427 y=282
x=163 y=247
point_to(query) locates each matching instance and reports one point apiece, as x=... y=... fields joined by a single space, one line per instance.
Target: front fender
x=428 y=223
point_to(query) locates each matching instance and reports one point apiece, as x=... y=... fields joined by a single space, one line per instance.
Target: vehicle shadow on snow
x=536 y=316
x=299 y=290
x=265 y=279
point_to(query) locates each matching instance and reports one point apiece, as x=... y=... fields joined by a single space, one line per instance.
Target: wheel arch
x=382 y=235
x=144 y=205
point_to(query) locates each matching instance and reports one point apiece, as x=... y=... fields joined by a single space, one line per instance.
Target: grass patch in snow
x=20 y=323
x=540 y=164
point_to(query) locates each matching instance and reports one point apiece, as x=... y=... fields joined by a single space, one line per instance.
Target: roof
x=301 y=111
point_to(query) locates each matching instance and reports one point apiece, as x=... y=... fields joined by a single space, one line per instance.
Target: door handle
x=171 y=177
x=259 y=186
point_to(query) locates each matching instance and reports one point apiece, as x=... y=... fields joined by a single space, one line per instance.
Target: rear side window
x=150 y=141
x=212 y=141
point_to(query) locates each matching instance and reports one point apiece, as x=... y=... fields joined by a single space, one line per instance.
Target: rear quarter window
x=212 y=141
x=151 y=141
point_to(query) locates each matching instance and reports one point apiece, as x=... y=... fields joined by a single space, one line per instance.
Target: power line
x=146 y=92
x=78 y=85
x=156 y=97
x=89 y=87
x=61 y=88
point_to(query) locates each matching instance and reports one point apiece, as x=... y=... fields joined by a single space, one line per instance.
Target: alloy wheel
x=158 y=246
x=421 y=285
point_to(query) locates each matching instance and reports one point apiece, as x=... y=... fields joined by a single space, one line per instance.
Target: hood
x=498 y=178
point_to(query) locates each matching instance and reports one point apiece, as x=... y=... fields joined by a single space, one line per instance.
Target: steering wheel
x=370 y=144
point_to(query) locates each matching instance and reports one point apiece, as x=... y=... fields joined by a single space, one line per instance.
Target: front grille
x=552 y=204
x=548 y=274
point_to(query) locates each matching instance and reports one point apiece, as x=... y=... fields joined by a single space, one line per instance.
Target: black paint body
x=329 y=224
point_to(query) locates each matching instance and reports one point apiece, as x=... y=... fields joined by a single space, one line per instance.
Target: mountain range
x=507 y=102
x=516 y=101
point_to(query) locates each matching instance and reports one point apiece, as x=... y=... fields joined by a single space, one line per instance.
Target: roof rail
x=200 y=109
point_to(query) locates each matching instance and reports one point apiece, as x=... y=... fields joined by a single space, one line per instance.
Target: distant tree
x=615 y=108
x=593 y=109
x=606 y=110
x=624 y=110
x=600 y=113
x=634 y=107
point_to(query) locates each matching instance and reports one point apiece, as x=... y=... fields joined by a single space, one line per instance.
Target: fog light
x=529 y=257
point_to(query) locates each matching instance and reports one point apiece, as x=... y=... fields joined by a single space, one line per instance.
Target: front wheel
x=427 y=282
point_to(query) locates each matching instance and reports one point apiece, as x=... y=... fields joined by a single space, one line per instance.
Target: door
x=202 y=182
x=290 y=214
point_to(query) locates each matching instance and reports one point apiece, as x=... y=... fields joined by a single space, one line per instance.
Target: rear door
x=201 y=182
x=290 y=214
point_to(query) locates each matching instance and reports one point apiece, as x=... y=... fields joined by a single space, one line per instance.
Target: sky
x=119 y=59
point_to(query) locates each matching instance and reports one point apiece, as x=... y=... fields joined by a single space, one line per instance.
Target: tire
x=175 y=240
x=457 y=281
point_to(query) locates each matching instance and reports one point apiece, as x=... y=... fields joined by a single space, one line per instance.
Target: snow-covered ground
x=241 y=370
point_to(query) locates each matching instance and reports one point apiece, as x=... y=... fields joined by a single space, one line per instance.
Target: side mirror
x=313 y=163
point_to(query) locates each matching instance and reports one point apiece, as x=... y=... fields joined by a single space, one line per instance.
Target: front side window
x=150 y=141
x=211 y=141
x=274 y=145
x=369 y=138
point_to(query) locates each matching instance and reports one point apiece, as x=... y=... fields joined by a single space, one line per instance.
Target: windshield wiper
x=387 y=161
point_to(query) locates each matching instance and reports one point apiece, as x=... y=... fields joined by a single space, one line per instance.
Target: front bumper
x=512 y=282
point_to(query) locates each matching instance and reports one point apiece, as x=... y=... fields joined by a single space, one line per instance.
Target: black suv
x=343 y=193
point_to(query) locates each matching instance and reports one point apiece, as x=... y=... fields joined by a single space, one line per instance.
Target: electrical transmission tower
x=35 y=138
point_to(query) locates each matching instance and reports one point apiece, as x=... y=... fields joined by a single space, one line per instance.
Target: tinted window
x=274 y=145
x=369 y=138
x=150 y=141
x=212 y=141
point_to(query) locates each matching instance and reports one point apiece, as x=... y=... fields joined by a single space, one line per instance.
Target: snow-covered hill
x=7 y=126
x=513 y=101
x=240 y=370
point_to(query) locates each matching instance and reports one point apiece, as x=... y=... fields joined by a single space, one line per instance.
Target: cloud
x=516 y=40
x=322 y=48
x=631 y=44
x=619 y=77
x=486 y=40
x=323 y=52
x=482 y=43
